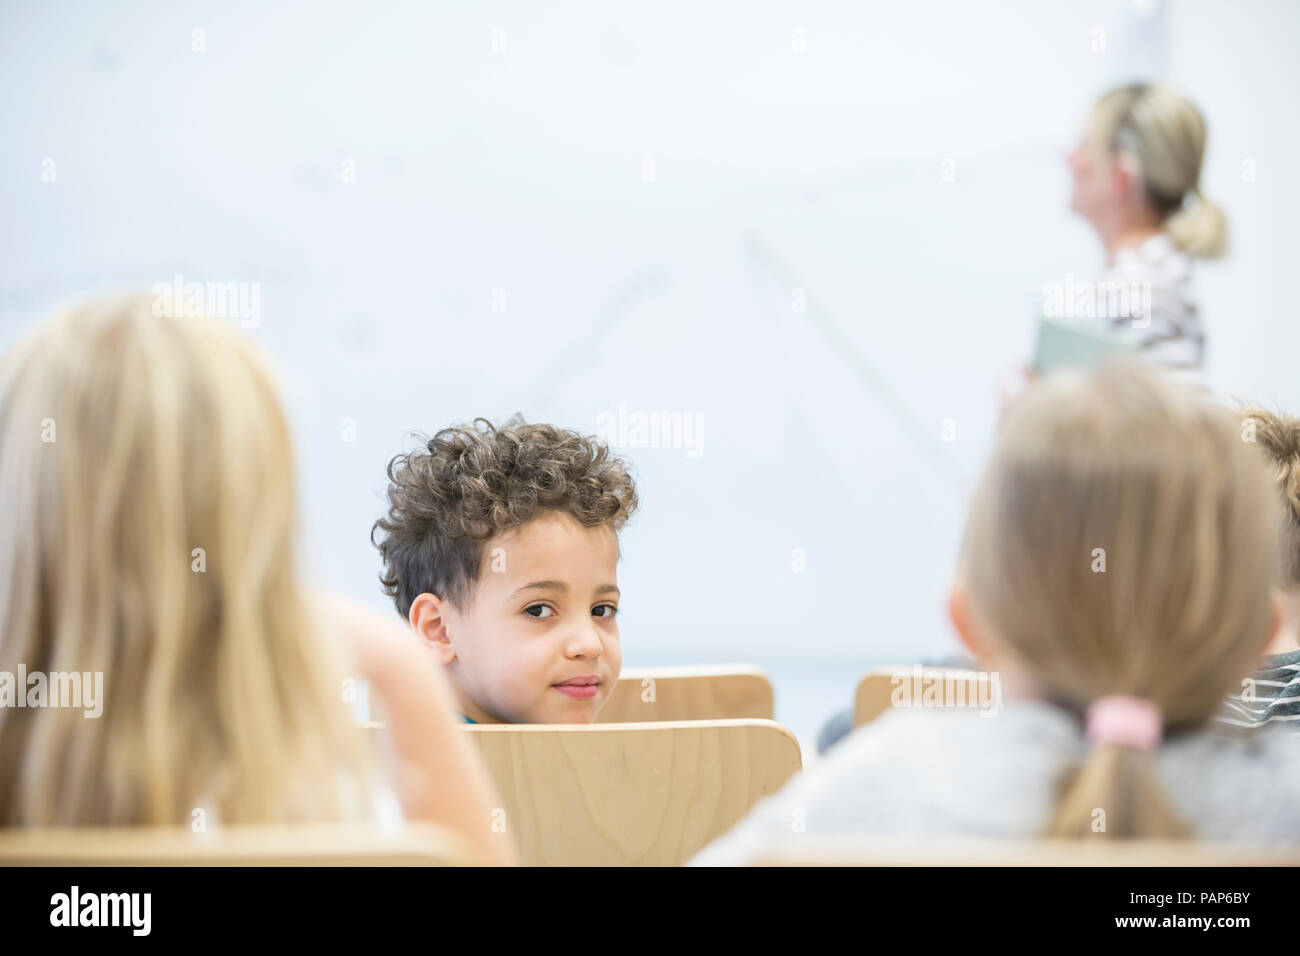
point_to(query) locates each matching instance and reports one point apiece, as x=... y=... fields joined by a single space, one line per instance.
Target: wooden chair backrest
x=715 y=692
x=414 y=844
x=630 y=794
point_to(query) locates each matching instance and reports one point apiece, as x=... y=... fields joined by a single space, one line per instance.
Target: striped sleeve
x=1270 y=696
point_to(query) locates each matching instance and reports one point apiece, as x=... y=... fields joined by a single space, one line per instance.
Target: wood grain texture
x=415 y=844
x=636 y=794
x=850 y=850
x=717 y=692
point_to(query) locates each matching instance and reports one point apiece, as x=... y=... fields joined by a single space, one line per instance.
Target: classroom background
x=815 y=234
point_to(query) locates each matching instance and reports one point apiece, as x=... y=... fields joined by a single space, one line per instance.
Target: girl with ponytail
x=1119 y=555
x=1115 y=581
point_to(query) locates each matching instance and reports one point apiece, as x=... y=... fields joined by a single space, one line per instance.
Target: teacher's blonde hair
x=1164 y=134
x=147 y=483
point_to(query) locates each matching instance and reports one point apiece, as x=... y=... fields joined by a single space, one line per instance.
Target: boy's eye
x=609 y=609
x=540 y=610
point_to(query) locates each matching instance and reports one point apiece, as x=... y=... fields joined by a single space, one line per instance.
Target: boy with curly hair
x=500 y=548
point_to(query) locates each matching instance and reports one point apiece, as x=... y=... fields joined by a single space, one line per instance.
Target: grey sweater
x=955 y=773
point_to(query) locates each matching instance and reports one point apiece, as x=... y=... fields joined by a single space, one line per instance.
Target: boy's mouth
x=581 y=687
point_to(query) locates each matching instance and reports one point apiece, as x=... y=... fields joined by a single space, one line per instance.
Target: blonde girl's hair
x=148 y=489
x=1278 y=437
x=1165 y=133
x=1121 y=542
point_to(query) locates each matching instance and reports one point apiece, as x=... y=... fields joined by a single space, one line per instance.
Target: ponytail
x=1200 y=229
x=1114 y=792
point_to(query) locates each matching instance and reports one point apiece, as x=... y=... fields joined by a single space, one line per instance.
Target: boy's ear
x=428 y=617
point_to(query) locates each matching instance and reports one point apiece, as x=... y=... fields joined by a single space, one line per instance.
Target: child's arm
x=440 y=777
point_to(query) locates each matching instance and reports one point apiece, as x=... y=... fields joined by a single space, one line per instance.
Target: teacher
x=1136 y=179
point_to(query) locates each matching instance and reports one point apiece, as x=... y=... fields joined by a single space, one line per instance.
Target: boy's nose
x=585 y=642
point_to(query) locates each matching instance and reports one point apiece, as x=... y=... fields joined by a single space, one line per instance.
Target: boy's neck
x=469 y=709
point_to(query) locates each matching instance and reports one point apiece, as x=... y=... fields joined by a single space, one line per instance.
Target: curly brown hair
x=1278 y=436
x=469 y=483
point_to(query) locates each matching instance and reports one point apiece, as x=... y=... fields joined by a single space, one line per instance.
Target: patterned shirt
x=1149 y=290
x=1271 y=696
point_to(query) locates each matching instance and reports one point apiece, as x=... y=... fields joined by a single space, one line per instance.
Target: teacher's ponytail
x=1199 y=229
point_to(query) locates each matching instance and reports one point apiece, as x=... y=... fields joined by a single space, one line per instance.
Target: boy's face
x=538 y=641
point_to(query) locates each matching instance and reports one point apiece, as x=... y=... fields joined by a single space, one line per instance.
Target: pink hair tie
x=1124 y=721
